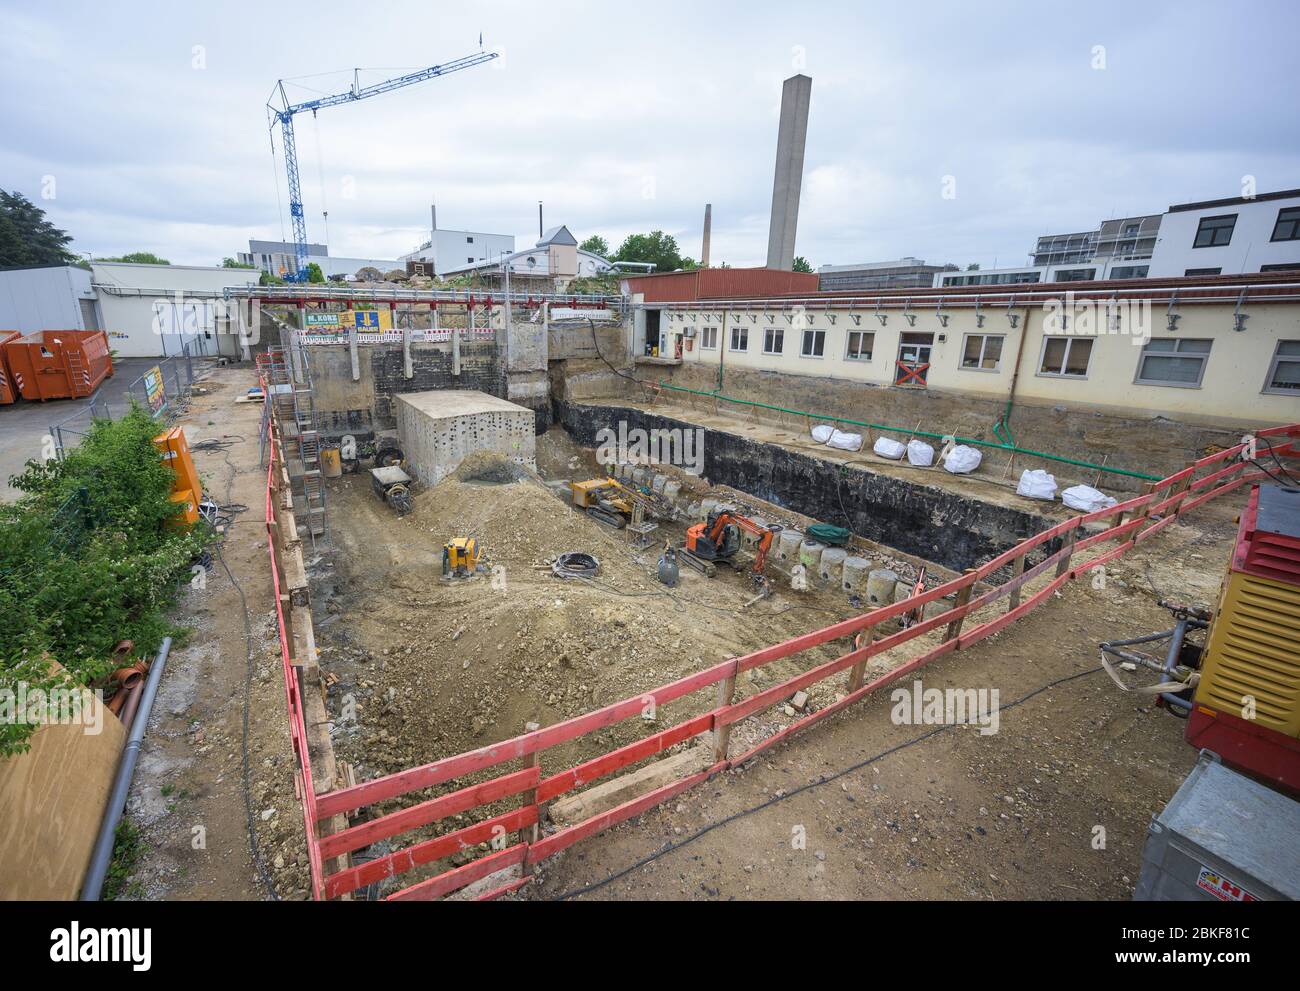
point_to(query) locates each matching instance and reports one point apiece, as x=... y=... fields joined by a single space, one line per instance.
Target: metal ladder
x=293 y=406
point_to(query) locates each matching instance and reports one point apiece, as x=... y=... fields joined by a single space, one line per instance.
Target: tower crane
x=285 y=113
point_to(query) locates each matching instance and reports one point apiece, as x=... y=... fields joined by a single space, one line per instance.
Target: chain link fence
x=163 y=390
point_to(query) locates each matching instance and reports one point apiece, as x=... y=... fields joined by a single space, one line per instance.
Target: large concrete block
x=438 y=430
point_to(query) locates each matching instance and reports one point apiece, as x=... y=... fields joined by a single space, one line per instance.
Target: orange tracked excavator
x=718 y=539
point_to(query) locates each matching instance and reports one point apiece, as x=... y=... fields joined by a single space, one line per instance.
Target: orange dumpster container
x=59 y=364
x=8 y=389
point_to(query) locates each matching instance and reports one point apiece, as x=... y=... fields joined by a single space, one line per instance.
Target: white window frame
x=771 y=334
x=1042 y=353
x=871 y=351
x=1269 y=389
x=803 y=343
x=961 y=358
x=1143 y=354
x=708 y=333
x=740 y=330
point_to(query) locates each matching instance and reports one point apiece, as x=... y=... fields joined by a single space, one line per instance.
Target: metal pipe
x=103 y=853
x=917 y=433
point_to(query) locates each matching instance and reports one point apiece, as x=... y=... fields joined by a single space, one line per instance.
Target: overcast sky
x=150 y=120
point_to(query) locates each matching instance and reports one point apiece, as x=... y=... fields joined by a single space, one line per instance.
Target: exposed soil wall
x=950 y=529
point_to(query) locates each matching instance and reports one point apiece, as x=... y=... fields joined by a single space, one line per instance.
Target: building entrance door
x=913 y=365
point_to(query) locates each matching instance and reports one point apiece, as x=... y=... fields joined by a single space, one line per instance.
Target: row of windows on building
x=1178 y=362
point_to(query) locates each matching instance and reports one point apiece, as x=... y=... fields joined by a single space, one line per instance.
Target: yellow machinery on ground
x=612 y=502
x=460 y=557
x=187 y=490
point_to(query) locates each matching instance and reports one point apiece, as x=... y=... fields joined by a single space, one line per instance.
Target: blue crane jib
x=285 y=114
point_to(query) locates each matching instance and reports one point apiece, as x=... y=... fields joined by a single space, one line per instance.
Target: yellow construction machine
x=612 y=502
x=460 y=557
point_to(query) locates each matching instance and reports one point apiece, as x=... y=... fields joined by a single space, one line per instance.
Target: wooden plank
x=454 y=880
x=426 y=775
x=848 y=627
x=593 y=770
x=401 y=821
x=848 y=700
x=770 y=696
x=505 y=889
x=1007 y=618
x=1017 y=579
x=567 y=837
x=963 y=601
x=53 y=798
x=722 y=731
x=428 y=851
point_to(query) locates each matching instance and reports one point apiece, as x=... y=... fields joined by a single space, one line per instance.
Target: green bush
x=87 y=558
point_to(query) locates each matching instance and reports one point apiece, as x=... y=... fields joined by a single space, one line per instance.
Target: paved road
x=25 y=426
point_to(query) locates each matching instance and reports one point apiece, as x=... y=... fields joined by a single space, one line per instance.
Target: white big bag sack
x=1037 y=484
x=845 y=442
x=822 y=433
x=889 y=448
x=1086 y=499
x=962 y=460
x=920 y=453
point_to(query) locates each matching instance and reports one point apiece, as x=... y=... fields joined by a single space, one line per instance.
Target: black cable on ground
x=258 y=864
x=233 y=509
x=822 y=780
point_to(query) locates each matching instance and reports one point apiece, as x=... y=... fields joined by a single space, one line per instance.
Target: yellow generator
x=1247 y=705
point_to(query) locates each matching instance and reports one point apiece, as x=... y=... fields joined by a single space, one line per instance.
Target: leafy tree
x=656 y=247
x=26 y=237
x=597 y=245
x=267 y=279
x=231 y=263
x=314 y=274
x=973 y=267
x=139 y=258
x=801 y=264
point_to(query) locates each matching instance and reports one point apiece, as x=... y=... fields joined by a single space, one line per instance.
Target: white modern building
x=278 y=258
x=1230 y=236
x=1234 y=236
x=156 y=310
x=448 y=250
x=146 y=310
x=552 y=263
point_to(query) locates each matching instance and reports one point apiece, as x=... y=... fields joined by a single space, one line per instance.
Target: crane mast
x=285 y=113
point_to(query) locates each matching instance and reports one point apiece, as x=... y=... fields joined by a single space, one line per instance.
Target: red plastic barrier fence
x=1149 y=513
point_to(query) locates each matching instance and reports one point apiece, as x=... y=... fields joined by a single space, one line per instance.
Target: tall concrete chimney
x=796 y=94
x=708 y=227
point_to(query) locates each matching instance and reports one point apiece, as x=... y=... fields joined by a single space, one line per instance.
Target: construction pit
x=420 y=667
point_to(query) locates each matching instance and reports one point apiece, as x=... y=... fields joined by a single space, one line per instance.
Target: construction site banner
x=374 y=327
